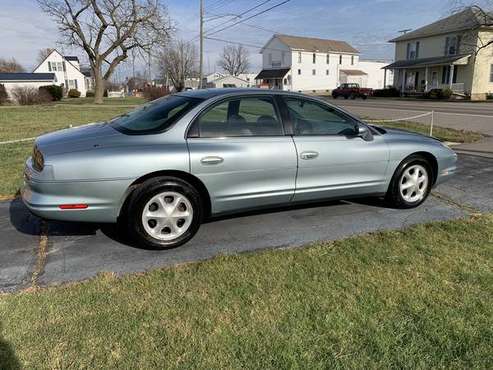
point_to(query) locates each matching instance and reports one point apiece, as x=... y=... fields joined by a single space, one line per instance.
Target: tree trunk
x=99 y=86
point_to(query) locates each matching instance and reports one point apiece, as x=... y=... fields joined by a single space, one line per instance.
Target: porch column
x=451 y=77
x=384 y=78
x=426 y=79
x=403 y=80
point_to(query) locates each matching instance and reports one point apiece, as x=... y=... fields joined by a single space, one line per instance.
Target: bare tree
x=178 y=62
x=473 y=40
x=107 y=30
x=234 y=60
x=10 y=65
x=43 y=54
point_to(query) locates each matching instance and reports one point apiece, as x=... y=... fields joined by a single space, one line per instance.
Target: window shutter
x=459 y=39
x=417 y=50
x=49 y=66
x=447 y=42
x=76 y=85
x=408 y=52
x=64 y=67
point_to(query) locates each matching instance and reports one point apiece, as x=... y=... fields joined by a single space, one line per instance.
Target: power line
x=260 y=28
x=243 y=44
x=248 y=18
x=217 y=4
x=239 y=15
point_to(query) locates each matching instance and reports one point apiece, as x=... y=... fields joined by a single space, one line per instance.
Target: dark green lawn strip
x=421 y=298
x=442 y=133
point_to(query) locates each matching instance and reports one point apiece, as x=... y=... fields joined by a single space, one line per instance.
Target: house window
x=352 y=60
x=340 y=59
x=60 y=66
x=327 y=72
x=491 y=73
x=314 y=72
x=328 y=59
x=314 y=58
x=413 y=50
x=299 y=56
x=452 y=44
x=299 y=71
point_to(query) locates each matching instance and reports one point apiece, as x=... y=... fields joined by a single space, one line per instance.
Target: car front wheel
x=164 y=213
x=411 y=183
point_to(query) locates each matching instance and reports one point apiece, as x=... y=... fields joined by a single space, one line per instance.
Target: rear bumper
x=103 y=199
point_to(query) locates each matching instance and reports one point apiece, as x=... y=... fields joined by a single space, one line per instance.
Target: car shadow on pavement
x=29 y=224
x=8 y=359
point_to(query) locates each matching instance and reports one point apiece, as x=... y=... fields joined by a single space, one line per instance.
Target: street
x=463 y=116
x=75 y=252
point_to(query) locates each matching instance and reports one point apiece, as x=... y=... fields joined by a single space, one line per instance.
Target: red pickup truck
x=351 y=90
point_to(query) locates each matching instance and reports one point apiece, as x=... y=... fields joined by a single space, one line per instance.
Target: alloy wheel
x=167 y=215
x=413 y=183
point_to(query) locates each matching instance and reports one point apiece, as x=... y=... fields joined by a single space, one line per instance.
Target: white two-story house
x=315 y=65
x=66 y=70
x=446 y=54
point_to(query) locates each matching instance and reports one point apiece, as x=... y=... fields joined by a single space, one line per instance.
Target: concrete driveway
x=71 y=252
x=459 y=115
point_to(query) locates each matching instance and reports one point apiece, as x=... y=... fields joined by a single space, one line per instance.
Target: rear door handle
x=211 y=160
x=308 y=155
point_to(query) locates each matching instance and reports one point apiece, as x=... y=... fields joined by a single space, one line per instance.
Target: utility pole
x=201 y=59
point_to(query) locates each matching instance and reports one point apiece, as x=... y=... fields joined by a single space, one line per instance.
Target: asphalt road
x=80 y=251
x=466 y=116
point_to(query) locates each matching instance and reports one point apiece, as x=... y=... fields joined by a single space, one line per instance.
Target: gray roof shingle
x=316 y=44
x=469 y=18
x=27 y=76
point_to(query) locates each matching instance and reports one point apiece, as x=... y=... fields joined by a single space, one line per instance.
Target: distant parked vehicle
x=351 y=90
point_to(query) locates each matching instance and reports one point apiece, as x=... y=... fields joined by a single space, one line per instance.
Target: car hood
x=80 y=138
x=395 y=132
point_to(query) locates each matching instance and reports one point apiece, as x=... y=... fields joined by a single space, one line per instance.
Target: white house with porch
x=445 y=54
x=67 y=71
x=310 y=64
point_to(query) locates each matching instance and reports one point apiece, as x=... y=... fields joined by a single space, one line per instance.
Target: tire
x=346 y=97
x=335 y=96
x=399 y=197
x=173 y=217
x=353 y=96
x=364 y=97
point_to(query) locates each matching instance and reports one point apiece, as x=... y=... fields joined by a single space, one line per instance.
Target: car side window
x=312 y=118
x=247 y=116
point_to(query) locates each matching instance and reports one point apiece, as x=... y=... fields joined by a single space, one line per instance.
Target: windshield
x=156 y=116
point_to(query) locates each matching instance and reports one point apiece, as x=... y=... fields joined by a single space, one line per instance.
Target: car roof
x=211 y=93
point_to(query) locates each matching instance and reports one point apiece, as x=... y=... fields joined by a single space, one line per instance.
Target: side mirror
x=364 y=132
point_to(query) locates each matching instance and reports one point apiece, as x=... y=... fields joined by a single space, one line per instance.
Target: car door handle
x=309 y=155
x=211 y=160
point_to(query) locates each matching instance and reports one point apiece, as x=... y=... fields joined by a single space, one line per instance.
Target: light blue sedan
x=167 y=166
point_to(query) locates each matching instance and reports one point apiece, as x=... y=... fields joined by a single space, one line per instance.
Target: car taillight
x=38 y=159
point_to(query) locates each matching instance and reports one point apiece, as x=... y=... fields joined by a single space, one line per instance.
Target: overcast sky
x=365 y=24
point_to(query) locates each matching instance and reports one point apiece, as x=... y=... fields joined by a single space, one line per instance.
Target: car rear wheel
x=164 y=213
x=411 y=183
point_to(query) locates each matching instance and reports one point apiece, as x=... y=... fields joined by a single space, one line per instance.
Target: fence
x=419 y=116
x=407 y=119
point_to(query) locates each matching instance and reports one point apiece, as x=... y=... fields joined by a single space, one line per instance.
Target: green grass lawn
x=419 y=298
x=129 y=100
x=18 y=122
x=442 y=133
